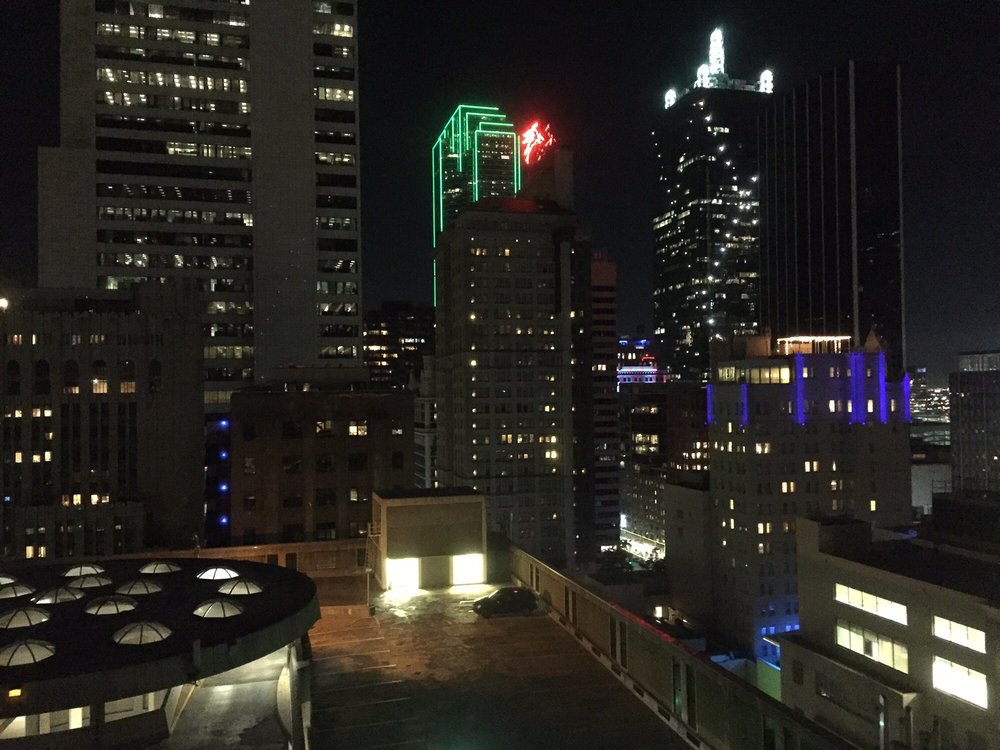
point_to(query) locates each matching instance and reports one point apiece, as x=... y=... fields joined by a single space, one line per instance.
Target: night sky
x=597 y=72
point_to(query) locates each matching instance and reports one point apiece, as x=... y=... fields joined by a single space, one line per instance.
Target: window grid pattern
x=874 y=646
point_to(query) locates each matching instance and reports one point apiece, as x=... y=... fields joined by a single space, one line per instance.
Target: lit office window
x=870 y=603
x=873 y=645
x=961 y=682
x=961 y=634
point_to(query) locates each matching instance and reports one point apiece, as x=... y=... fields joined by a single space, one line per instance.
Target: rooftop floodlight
x=669 y=99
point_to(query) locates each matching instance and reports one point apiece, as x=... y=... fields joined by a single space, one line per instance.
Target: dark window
x=13 y=378
x=354 y=529
x=324 y=463
x=43 y=383
x=71 y=377
x=357 y=461
x=292 y=532
x=291 y=429
x=292 y=501
x=797 y=672
x=324 y=427
x=249 y=466
x=249 y=502
x=326 y=496
x=326 y=531
x=397 y=459
x=291 y=464
x=155 y=376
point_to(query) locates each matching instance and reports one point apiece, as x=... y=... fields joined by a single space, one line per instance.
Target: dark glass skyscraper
x=706 y=233
x=831 y=229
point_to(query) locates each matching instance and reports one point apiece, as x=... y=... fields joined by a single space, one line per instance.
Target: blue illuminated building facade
x=816 y=430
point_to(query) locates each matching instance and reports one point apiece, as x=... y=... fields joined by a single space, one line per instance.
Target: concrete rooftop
x=426 y=672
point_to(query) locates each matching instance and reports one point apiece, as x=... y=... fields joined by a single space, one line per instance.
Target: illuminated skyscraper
x=706 y=231
x=213 y=141
x=474 y=157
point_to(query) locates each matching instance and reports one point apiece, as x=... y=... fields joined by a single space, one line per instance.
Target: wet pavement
x=233 y=709
x=426 y=672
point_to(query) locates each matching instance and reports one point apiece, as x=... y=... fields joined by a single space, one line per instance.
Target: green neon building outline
x=458 y=139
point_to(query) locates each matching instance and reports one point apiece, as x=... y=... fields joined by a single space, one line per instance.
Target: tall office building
x=706 y=231
x=975 y=423
x=475 y=156
x=831 y=229
x=596 y=441
x=219 y=142
x=503 y=369
x=100 y=421
x=398 y=335
x=816 y=430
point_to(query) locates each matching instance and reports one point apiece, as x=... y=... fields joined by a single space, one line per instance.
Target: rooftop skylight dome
x=83 y=570
x=91 y=581
x=14 y=590
x=217 y=573
x=27 y=651
x=159 y=567
x=240 y=587
x=218 y=608
x=141 y=633
x=58 y=595
x=23 y=617
x=139 y=587
x=111 y=605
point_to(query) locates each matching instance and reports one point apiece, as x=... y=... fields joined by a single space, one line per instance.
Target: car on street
x=505 y=601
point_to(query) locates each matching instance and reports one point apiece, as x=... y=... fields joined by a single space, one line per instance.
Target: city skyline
x=648 y=50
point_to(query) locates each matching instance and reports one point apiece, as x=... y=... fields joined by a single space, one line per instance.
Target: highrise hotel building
x=215 y=140
x=706 y=231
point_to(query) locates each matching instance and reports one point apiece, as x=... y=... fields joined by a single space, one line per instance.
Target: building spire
x=716 y=54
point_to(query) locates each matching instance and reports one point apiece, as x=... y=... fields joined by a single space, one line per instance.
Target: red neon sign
x=535 y=141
